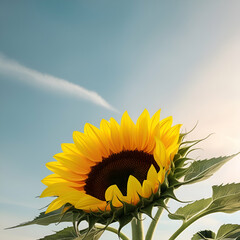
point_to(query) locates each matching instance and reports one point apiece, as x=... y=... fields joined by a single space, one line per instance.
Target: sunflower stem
x=113 y=230
x=186 y=224
x=154 y=222
x=137 y=228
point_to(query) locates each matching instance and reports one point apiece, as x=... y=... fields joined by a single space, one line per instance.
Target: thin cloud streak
x=19 y=72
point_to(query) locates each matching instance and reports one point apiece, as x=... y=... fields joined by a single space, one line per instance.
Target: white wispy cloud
x=19 y=72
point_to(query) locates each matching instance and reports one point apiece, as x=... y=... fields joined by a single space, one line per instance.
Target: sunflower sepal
x=116 y=211
x=172 y=180
x=128 y=208
x=148 y=204
x=123 y=222
x=155 y=200
x=91 y=223
x=147 y=210
x=184 y=150
x=127 y=212
x=179 y=172
x=75 y=223
x=160 y=203
x=106 y=217
x=146 y=201
x=135 y=214
x=169 y=193
x=181 y=162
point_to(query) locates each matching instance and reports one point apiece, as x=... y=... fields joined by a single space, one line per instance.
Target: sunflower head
x=114 y=172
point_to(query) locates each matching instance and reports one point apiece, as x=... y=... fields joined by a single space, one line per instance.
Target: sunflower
x=116 y=163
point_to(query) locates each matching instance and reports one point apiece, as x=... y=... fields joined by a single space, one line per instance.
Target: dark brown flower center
x=116 y=170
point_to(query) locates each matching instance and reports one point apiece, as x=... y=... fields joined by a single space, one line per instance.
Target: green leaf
x=227 y=231
x=52 y=217
x=94 y=234
x=224 y=199
x=190 y=210
x=206 y=234
x=201 y=170
x=231 y=231
x=65 y=234
x=70 y=234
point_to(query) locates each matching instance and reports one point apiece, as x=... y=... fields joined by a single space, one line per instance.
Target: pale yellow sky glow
x=213 y=99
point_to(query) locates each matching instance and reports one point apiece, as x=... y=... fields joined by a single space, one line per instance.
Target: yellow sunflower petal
x=114 y=194
x=55 y=204
x=96 y=135
x=128 y=132
x=74 y=162
x=88 y=202
x=56 y=189
x=105 y=127
x=160 y=155
x=116 y=136
x=134 y=189
x=161 y=175
x=171 y=151
x=152 y=178
x=64 y=172
x=152 y=175
x=103 y=206
x=147 y=189
x=69 y=148
x=171 y=136
x=86 y=147
x=142 y=130
x=53 y=178
x=72 y=196
x=164 y=125
x=154 y=130
x=155 y=119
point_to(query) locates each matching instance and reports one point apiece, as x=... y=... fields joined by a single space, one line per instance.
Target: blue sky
x=65 y=63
